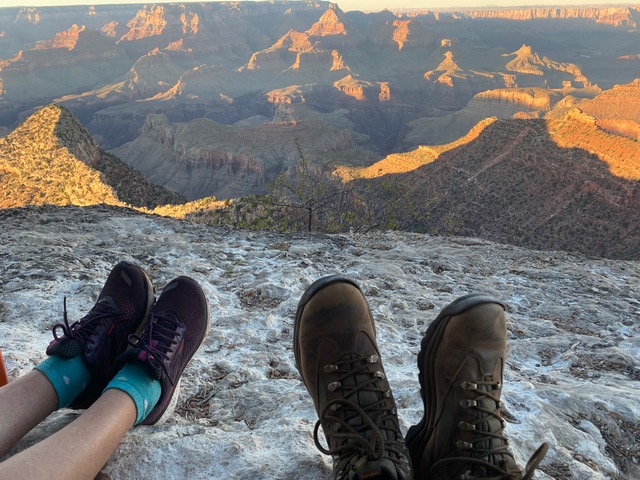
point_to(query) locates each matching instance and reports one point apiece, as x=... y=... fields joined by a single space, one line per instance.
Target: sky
x=369 y=5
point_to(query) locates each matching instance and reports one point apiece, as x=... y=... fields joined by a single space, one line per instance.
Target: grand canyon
x=505 y=140
x=517 y=125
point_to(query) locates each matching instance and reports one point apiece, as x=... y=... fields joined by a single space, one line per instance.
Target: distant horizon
x=349 y=5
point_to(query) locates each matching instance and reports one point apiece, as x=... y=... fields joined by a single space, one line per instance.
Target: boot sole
x=418 y=435
x=308 y=294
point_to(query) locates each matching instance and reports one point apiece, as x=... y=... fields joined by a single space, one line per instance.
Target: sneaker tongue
x=69 y=348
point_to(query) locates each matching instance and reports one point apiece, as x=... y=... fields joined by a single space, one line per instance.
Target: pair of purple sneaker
x=126 y=325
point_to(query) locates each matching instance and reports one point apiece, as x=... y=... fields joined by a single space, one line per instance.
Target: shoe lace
x=83 y=330
x=505 y=468
x=159 y=340
x=367 y=431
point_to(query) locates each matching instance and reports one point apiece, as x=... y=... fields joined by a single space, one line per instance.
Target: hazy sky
x=344 y=4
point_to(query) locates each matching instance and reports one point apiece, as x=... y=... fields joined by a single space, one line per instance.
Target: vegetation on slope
x=52 y=159
x=562 y=183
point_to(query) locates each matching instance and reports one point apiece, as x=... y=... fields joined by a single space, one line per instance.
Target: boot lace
x=353 y=430
x=478 y=460
x=83 y=331
x=159 y=340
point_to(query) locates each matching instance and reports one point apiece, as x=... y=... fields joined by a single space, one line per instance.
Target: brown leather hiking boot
x=339 y=362
x=461 y=363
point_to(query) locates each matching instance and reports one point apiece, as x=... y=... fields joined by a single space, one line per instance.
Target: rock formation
x=274 y=46
x=203 y=158
x=617 y=110
x=401 y=33
x=66 y=39
x=190 y=22
x=353 y=87
x=52 y=158
x=148 y=22
x=615 y=16
x=330 y=23
x=292 y=94
x=513 y=181
x=448 y=68
x=109 y=29
x=276 y=70
x=538 y=99
x=528 y=62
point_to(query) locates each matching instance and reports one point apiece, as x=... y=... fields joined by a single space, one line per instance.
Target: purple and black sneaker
x=101 y=335
x=178 y=325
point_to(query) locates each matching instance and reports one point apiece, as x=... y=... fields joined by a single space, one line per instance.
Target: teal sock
x=134 y=379
x=69 y=377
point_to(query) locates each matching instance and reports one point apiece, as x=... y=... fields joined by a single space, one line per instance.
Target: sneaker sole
x=173 y=403
x=418 y=435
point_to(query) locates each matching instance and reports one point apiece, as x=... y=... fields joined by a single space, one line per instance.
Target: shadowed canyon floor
x=572 y=373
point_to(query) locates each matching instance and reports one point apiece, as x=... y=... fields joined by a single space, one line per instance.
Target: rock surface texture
x=571 y=379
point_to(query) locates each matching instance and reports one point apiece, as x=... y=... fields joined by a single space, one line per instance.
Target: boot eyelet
x=330 y=368
x=469 y=386
x=466 y=426
x=468 y=403
x=333 y=386
x=373 y=359
x=464 y=445
x=379 y=375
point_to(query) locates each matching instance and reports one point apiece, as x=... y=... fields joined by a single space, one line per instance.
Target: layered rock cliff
x=66 y=39
x=617 y=110
x=359 y=77
x=148 y=22
x=203 y=158
x=538 y=99
x=625 y=17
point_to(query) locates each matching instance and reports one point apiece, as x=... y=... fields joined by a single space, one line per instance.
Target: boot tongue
x=366 y=387
x=364 y=397
x=361 y=467
x=491 y=424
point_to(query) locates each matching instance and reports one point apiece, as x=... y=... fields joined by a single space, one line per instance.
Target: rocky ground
x=572 y=375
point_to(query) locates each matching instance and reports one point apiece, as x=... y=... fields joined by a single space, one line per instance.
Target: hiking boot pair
x=460 y=365
x=127 y=325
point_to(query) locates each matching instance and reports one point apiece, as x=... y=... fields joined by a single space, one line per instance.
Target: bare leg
x=92 y=438
x=24 y=403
